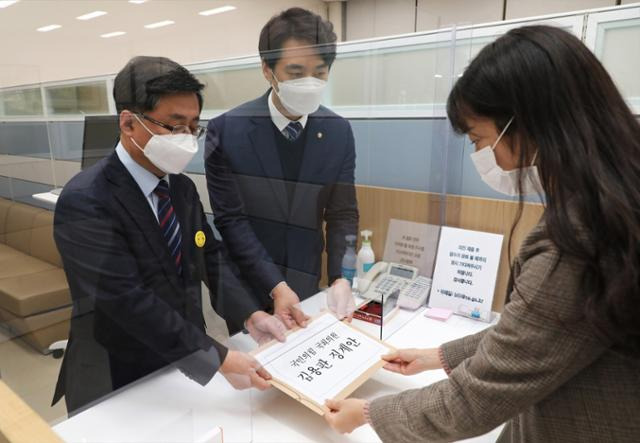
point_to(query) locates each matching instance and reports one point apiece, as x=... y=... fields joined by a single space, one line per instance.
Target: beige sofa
x=35 y=304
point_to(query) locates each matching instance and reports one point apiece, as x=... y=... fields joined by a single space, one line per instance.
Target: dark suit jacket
x=132 y=312
x=267 y=237
x=542 y=369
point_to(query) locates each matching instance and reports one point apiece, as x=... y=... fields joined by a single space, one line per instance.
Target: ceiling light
x=438 y=76
x=7 y=3
x=219 y=10
x=48 y=28
x=159 y=24
x=137 y=2
x=113 y=34
x=91 y=15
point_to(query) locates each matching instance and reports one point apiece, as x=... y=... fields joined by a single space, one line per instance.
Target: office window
x=84 y=98
x=21 y=102
x=616 y=44
x=401 y=76
x=228 y=88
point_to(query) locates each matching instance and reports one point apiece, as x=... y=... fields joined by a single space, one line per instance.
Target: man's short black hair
x=144 y=80
x=299 y=24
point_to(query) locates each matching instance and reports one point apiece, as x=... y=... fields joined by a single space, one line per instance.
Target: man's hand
x=412 y=361
x=264 y=327
x=243 y=371
x=285 y=306
x=345 y=415
x=340 y=299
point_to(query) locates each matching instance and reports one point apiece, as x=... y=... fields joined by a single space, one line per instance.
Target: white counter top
x=168 y=407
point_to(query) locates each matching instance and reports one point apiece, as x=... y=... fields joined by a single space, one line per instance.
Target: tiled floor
x=33 y=376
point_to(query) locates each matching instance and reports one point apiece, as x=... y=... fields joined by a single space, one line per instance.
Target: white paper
x=298 y=362
x=464 y=278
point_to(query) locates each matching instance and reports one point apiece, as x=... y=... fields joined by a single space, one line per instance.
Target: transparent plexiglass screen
x=99 y=315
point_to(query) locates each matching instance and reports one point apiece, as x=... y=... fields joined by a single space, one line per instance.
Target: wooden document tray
x=327 y=359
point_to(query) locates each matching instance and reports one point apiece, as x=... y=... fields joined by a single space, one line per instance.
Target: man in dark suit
x=136 y=246
x=281 y=166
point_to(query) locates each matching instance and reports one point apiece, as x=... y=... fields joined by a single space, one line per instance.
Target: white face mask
x=505 y=182
x=170 y=153
x=301 y=96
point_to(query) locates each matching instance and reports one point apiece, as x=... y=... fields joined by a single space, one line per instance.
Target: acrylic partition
x=394 y=91
x=62 y=271
x=404 y=163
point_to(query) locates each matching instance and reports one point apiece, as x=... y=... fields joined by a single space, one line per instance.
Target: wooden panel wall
x=379 y=205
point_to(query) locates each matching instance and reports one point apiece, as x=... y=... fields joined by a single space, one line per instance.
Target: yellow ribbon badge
x=200 y=239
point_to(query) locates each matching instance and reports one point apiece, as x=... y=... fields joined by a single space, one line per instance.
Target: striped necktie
x=292 y=131
x=169 y=223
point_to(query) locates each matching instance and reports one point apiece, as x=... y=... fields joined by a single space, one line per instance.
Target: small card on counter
x=438 y=313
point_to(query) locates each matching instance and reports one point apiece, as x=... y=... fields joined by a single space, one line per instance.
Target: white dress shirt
x=146 y=180
x=279 y=119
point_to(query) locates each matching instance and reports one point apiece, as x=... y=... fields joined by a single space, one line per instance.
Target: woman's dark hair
x=299 y=24
x=144 y=80
x=568 y=110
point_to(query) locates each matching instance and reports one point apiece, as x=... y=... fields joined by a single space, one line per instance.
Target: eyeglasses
x=198 y=132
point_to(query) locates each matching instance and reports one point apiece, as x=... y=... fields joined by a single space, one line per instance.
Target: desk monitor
x=101 y=134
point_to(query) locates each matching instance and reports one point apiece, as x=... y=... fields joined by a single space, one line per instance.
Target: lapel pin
x=319 y=134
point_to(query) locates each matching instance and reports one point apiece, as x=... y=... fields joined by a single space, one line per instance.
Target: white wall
x=434 y=14
x=77 y=50
x=377 y=18
x=528 y=8
x=335 y=14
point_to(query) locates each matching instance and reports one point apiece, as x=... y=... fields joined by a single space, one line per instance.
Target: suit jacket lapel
x=264 y=145
x=137 y=206
x=185 y=206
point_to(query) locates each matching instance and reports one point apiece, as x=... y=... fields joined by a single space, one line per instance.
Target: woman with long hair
x=563 y=362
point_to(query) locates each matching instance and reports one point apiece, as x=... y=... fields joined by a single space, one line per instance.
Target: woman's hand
x=412 y=361
x=345 y=415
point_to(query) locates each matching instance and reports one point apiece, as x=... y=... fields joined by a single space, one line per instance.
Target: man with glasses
x=280 y=172
x=136 y=245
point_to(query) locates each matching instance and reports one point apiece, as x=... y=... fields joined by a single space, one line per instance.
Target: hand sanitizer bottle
x=366 y=257
x=349 y=259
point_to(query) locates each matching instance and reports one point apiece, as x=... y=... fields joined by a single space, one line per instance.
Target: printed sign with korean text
x=464 y=278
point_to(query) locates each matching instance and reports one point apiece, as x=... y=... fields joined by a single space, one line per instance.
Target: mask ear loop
x=493 y=148
x=145 y=127
x=273 y=74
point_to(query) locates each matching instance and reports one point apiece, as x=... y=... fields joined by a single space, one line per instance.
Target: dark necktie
x=169 y=223
x=292 y=131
